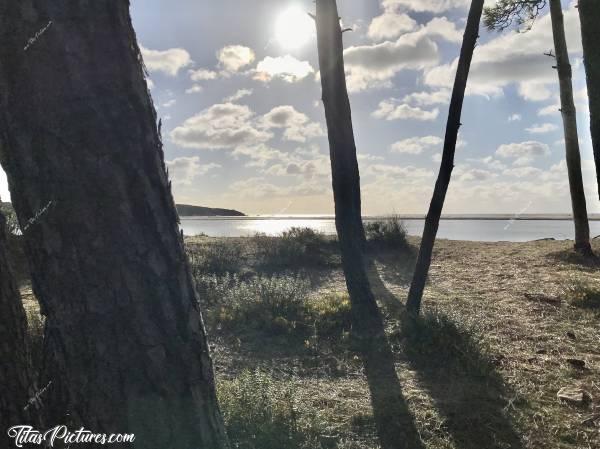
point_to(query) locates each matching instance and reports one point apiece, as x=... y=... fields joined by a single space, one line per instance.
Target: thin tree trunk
x=589 y=15
x=569 y=115
x=16 y=382
x=367 y=322
x=126 y=349
x=432 y=221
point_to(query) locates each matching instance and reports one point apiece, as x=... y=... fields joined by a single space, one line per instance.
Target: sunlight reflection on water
x=477 y=230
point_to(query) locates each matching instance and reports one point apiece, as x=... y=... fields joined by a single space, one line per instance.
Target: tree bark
x=126 y=349
x=17 y=383
x=589 y=15
x=569 y=116
x=436 y=206
x=367 y=322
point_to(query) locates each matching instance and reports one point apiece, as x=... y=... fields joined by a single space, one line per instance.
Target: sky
x=236 y=85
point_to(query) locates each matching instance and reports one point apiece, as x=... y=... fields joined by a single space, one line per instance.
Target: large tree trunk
x=432 y=221
x=589 y=15
x=125 y=343
x=16 y=382
x=367 y=322
x=569 y=115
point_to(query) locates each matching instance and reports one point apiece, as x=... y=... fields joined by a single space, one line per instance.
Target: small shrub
x=311 y=240
x=584 y=294
x=298 y=247
x=272 y=305
x=331 y=314
x=261 y=412
x=388 y=233
x=216 y=257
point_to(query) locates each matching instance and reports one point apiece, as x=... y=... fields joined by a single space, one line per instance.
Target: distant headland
x=185 y=210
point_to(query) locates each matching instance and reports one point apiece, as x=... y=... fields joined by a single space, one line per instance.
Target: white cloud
x=445 y=29
x=542 y=128
x=307 y=169
x=416 y=145
x=298 y=127
x=551 y=109
x=260 y=188
x=241 y=93
x=523 y=172
x=441 y=96
x=202 y=75
x=370 y=157
x=436 y=6
x=534 y=90
x=260 y=155
x=370 y=66
x=224 y=125
x=391 y=110
x=524 y=152
x=515 y=118
x=285 y=67
x=514 y=58
x=183 y=170
x=489 y=162
x=195 y=89
x=167 y=61
x=477 y=174
x=390 y=25
x=235 y=57
x=408 y=174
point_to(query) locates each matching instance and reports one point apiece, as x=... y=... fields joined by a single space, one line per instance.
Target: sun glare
x=294 y=28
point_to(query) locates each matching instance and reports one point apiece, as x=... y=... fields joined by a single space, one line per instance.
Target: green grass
x=262 y=412
x=583 y=294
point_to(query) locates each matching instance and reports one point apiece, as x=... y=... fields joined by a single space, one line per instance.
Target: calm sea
x=464 y=229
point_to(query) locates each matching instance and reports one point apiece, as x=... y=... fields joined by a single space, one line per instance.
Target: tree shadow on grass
x=455 y=371
x=403 y=265
x=462 y=380
x=395 y=423
x=572 y=257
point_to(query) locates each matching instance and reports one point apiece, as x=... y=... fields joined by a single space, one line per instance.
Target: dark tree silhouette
x=125 y=344
x=16 y=381
x=500 y=17
x=569 y=115
x=367 y=322
x=589 y=15
x=432 y=221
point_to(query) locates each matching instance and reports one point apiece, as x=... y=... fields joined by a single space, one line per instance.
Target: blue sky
x=244 y=128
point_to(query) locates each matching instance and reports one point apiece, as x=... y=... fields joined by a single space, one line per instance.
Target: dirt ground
x=510 y=298
x=492 y=381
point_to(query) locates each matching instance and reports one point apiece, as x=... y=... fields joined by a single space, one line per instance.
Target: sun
x=294 y=28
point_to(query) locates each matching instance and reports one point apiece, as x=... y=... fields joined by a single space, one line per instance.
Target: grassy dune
x=506 y=326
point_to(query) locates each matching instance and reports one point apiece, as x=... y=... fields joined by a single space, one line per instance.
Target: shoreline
x=379 y=217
